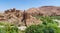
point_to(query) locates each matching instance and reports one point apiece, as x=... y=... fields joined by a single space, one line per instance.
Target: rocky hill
x=18 y=17
x=25 y=17
x=45 y=10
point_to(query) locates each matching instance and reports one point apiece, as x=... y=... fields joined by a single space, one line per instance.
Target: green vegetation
x=5 y=24
x=55 y=17
x=52 y=17
x=48 y=26
x=7 y=28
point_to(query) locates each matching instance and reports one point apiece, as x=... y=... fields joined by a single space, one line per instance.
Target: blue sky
x=25 y=4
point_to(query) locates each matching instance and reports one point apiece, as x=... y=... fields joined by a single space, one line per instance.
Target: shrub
x=9 y=29
x=40 y=29
x=48 y=26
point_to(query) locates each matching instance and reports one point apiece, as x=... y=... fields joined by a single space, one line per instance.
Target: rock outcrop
x=12 y=16
x=18 y=17
x=30 y=20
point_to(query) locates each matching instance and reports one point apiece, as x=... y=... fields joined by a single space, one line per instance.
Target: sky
x=26 y=4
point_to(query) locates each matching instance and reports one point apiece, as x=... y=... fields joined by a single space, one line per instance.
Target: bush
x=48 y=26
x=40 y=29
x=8 y=29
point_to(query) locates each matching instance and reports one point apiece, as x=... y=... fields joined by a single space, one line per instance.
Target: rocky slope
x=45 y=10
x=18 y=17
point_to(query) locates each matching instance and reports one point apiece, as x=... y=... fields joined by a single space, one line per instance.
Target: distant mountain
x=45 y=10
